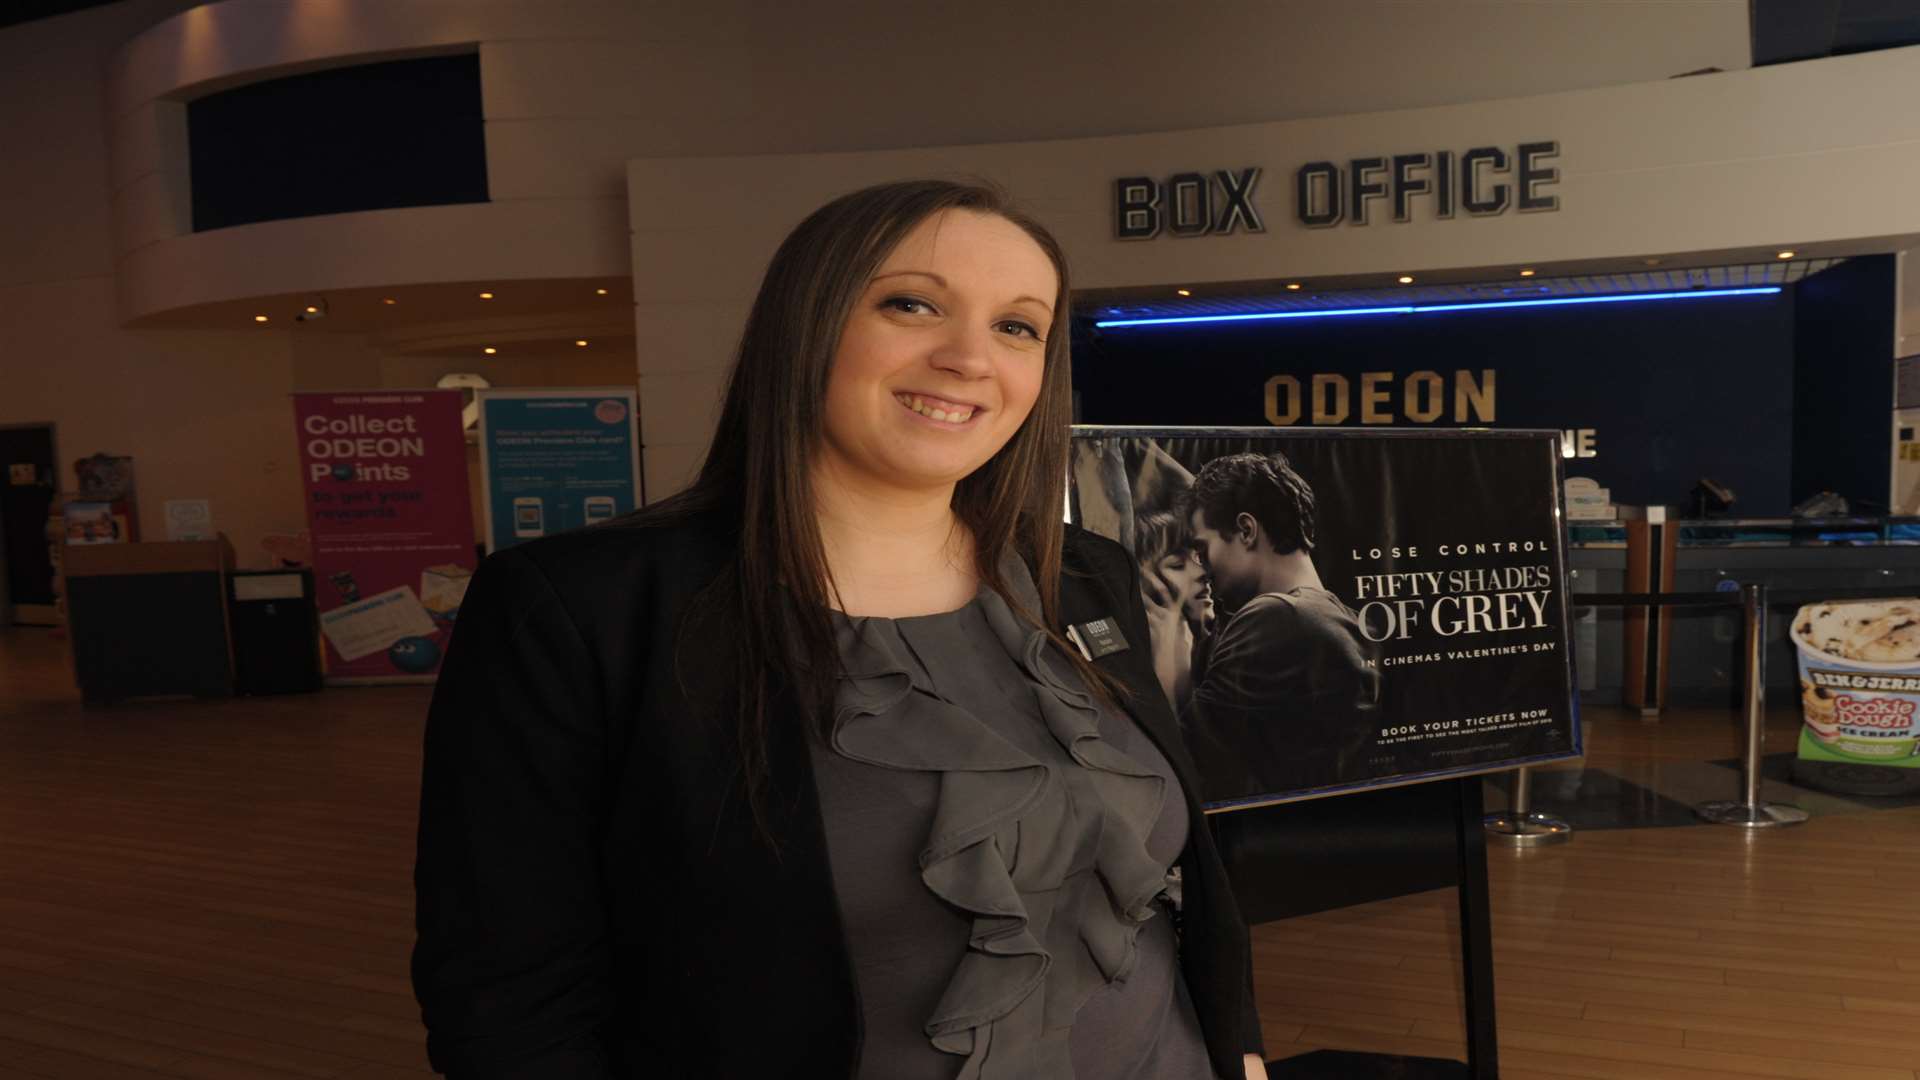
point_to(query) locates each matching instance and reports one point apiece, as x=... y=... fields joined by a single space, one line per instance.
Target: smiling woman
x=939 y=364
x=804 y=752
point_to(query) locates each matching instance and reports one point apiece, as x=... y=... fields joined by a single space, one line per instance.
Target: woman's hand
x=1172 y=638
x=1256 y=1069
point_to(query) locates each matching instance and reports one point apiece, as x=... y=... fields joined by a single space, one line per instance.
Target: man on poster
x=1289 y=697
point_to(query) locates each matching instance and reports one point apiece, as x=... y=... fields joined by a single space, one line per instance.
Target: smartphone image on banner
x=599 y=508
x=529 y=517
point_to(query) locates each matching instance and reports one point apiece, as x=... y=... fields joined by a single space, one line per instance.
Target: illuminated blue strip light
x=1427 y=309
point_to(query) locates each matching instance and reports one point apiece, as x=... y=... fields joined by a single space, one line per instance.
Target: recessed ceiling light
x=582 y=342
x=1184 y=292
x=389 y=300
x=489 y=350
x=1786 y=255
x=259 y=318
x=1654 y=261
x=1293 y=286
x=1406 y=279
x=600 y=292
x=311 y=310
x=486 y=296
x=1526 y=273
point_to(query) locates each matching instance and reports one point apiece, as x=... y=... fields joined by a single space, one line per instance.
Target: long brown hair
x=774 y=593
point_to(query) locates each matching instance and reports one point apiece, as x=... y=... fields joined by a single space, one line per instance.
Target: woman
x=1179 y=603
x=797 y=775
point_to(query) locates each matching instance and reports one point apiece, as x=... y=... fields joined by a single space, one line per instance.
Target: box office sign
x=1338 y=610
x=1482 y=181
x=385 y=475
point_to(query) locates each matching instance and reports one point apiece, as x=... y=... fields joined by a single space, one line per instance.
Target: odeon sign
x=1330 y=193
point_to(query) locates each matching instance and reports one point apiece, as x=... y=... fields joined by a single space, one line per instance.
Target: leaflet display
x=553 y=460
x=385 y=477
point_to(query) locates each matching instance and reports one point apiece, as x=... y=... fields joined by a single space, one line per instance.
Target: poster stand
x=1306 y=857
x=1387 y=640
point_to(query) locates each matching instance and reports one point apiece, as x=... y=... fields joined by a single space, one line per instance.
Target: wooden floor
x=222 y=890
x=1691 y=953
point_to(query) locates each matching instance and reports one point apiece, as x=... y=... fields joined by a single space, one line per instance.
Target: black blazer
x=593 y=901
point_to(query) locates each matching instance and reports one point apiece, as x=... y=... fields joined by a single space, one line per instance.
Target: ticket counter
x=149 y=619
x=1835 y=555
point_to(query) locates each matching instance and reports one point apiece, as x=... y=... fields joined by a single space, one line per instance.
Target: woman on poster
x=797 y=774
x=1179 y=603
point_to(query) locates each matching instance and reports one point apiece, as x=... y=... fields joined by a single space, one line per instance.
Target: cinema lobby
x=1585 y=332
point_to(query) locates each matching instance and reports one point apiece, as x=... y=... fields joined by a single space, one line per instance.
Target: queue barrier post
x=1520 y=825
x=1750 y=812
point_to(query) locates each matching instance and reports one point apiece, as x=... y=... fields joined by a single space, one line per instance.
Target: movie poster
x=1336 y=610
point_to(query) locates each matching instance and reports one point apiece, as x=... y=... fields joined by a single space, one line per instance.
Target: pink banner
x=386 y=485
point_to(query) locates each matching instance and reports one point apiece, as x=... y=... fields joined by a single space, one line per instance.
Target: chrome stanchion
x=1520 y=825
x=1750 y=812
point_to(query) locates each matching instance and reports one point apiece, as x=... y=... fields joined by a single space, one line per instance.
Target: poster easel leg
x=1476 y=933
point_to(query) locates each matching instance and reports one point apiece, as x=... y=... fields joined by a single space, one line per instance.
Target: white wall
x=1907 y=321
x=573 y=89
x=93 y=233
x=1743 y=162
x=203 y=413
x=1905 y=496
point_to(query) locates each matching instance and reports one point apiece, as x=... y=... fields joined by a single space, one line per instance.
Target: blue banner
x=553 y=460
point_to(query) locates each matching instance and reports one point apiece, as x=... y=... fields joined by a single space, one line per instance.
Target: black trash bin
x=276 y=631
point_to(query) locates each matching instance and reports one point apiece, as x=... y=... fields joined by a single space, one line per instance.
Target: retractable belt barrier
x=1522 y=826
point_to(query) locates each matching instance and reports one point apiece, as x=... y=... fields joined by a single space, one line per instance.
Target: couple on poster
x=1275 y=685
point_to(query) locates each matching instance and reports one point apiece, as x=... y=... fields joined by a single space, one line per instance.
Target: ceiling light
x=259 y=318
x=1526 y=273
x=314 y=309
x=1654 y=261
x=1184 y=292
x=389 y=300
x=1406 y=279
x=600 y=292
x=1293 y=286
x=1785 y=255
x=486 y=296
x=489 y=350
x=582 y=342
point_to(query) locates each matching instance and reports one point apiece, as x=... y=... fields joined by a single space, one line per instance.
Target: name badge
x=1096 y=639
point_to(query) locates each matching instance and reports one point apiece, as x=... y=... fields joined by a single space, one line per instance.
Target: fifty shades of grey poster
x=1337 y=610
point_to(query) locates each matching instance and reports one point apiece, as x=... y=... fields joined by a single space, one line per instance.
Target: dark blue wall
x=1843 y=383
x=1676 y=390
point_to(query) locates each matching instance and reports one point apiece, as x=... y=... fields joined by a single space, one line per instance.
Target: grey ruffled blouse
x=1001 y=848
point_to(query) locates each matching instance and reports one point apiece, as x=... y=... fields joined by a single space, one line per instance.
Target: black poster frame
x=1550 y=442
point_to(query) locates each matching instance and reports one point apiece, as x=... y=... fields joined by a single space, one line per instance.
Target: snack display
x=1859 y=680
